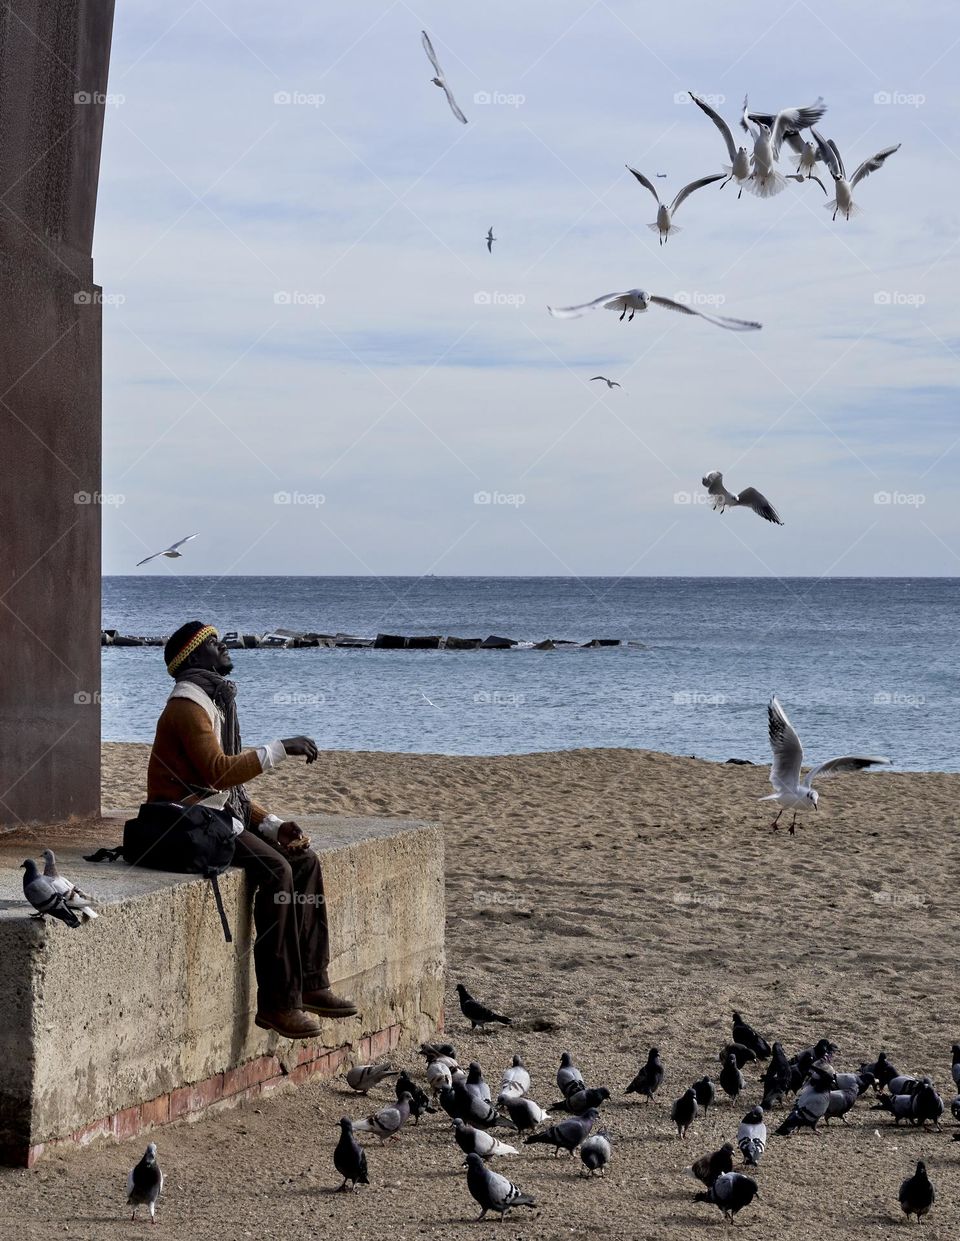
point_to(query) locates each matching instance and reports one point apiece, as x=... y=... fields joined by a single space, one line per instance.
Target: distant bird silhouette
x=170 y=552
x=611 y=383
x=490 y=239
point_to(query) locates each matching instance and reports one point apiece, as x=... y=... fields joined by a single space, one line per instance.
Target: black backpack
x=192 y=840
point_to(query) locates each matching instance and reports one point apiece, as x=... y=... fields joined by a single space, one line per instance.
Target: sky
x=311 y=360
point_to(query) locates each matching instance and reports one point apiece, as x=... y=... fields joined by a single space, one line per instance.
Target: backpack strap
x=212 y=875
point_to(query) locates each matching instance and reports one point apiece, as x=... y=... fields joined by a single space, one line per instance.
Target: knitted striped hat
x=184 y=642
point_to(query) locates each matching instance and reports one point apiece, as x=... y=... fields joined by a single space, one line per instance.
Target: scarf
x=223 y=694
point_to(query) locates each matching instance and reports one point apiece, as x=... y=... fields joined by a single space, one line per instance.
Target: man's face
x=213 y=656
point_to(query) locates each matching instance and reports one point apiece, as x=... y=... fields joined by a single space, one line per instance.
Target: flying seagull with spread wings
x=664 y=224
x=748 y=498
x=769 y=131
x=739 y=167
x=170 y=551
x=490 y=239
x=440 y=80
x=790 y=791
x=843 y=203
x=611 y=383
x=637 y=301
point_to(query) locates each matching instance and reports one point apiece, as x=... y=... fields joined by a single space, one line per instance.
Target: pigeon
x=611 y=383
x=638 y=301
x=955 y=1066
x=517 y=1073
x=768 y=134
x=475 y=1012
x=811 y=1103
x=731 y=1079
x=843 y=203
x=479 y=1142
x=492 y=1191
x=752 y=1136
x=73 y=897
x=664 y=225
x=706 y=1092
x=439 y=1051
x=170 y=552
x=525 y=1114
x=708 y=1167
x=739 y=168
x=881 y=1069
x=748 y=498
x=823 y=1049
x=578 y=1101
x=747 y=1036
x=684 y=1112
x=791 y=792
x=44 y=897
x=903 y=1083
x=595 y=1153
x=475 y=1083
x=568 y=1134
x=955 y=1107
x=145 y=1183
x=916 y=1193
x=490 y=239
x=388 y=1122
x=440 y=80
x=349 y=1157
x=569 y=1077
x=364 y=1076
x=742 y=1055
x=649 y=1079
x=731 y=1192
x=419 y=1102
x=927 y=1104
x=439 y=1076
x=900 y=1106
x=509 y=1090
x=776 y=1078
x=458 y=1102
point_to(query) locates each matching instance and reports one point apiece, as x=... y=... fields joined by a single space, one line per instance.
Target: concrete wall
x=53 y=76
x=118 y=1018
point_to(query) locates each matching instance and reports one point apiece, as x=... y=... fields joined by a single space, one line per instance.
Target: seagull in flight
x=611 y=383
x=790 y=791
x=490 y=239
x=170 y=551
x=769 y=131
x=639 y=300
x=749 y=497
x=739 y=167
x=664 y=224
x=440 y=80
x=843 y=203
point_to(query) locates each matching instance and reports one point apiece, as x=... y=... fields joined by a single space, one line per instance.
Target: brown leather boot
x=323 y=1002
x=290 y=1022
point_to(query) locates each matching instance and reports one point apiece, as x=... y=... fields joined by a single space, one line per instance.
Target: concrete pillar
x=54 y=56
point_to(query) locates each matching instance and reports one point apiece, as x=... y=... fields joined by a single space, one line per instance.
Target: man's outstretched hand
x=291 y=838
x=305 y=746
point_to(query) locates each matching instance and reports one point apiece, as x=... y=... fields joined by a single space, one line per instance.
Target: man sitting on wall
x=196 y=758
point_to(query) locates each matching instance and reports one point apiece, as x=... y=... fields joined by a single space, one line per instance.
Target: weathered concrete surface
x=53 y=76
x=148 y=999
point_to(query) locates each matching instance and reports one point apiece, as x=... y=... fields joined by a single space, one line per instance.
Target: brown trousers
x=292 y=948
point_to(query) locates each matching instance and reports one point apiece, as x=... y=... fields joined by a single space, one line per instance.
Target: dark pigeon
x=525 y=1114
x=955 y=1066
x=742 y=1055
x=45 y=898
x=708 y=1167
x=460 y=1104
x=731 y=1079
x=823 y=1049
x=568 y=1134
x=649 y=1079
x=476 y=1013
x=731 y=1192
x=580 y=1100
x=349 y=1157
x=747 y=1036
x=145 y=1183
x=420 y=1100
x=916 y=1193
x=595 y=1153
x=684 y=1112
x=706 y=1092
x=569 y=1077
x=776 y=1078
x=492 y=1191
x=927 y=1104
x=475 y=1082
x=881 y=1069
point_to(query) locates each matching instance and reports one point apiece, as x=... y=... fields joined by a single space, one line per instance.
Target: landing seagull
x=638 y=300
x=664 y=224
x=611 y=383
x=440 y=80
x=170 y=551
x=769 y=134
x=739 y=168
x=749 y=497
x=844 y=189
x=490 y=239
x=792 y=793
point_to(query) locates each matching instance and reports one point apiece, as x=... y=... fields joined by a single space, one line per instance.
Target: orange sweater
x=187 y=754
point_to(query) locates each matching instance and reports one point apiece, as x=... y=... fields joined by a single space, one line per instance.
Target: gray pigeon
x=812 y=1102
x=731 y=1192
x=388 y=1122
x=478 y=1142
x=349 y=1157
x=752 y=1136
x=578 y=1101
x=458 y=1102
x=568 y=1134
x=363 y=1077
x=145 y=1183
x=569 y=1077
x=595 y=1153
x=525 y=1114
x=492 y=1191
x=955 y=1066
x=517 y=1075
x=475 y=1083
x=900 y=1106
x=44 y=897
x=73 y=897
x=842 y=1099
